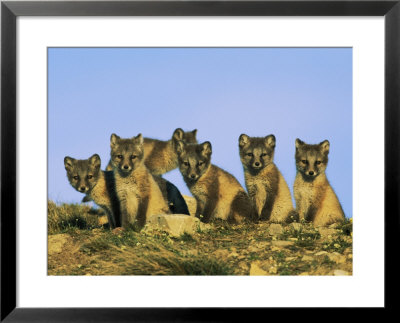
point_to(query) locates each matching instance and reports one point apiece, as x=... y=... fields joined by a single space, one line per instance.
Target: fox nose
x=126 y=167
x=192 y=176
x=257 y=163
x=311 y=173
x=82 y=188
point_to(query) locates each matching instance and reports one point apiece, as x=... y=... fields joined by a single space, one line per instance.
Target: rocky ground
x=79 y=244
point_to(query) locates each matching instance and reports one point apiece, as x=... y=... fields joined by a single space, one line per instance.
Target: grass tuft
x=218 y=249
x=206 y=266
x=67 y=217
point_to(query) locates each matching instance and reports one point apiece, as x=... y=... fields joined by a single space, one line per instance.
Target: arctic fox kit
x=86 y=177
x=99 y=186
x=315 y=199
x=137 y=191
x=265 y=184
x=160 y=156
x=218 y=193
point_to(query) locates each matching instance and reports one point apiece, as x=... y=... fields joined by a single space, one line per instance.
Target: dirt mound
x=214 y=249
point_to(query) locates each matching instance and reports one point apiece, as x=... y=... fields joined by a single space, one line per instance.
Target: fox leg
x=110 y=218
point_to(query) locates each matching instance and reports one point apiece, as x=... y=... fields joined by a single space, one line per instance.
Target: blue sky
x=292 y=93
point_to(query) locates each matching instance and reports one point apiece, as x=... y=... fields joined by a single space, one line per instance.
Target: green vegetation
x=346 y=227
x=338 y=245
x=68 y=217
x=88 y=247
x=206 y=266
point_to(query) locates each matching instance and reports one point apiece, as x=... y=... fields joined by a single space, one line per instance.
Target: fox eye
x=304 y=162
x=186 y=163
x=90 y=176
x=133 y=157
x=119 y=156
x=317 y=162
x=263 y=154
x=200 y=163
x=250 y=154
x=76 y=177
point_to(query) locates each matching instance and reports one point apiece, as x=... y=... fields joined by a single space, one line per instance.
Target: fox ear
x=178 y=134
x=180 y=147
x=68 y=163
x=324 y=146
x=95 y=161
x=113 y=140
x=243 y=140
x=270 y=141
x=206 y=148
x=194 y=132
x=299 y=143
x=138 y=139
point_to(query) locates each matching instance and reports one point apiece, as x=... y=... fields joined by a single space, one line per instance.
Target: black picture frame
x=10 y=10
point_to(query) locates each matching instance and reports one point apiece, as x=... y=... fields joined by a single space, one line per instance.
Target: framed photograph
x=174 y=155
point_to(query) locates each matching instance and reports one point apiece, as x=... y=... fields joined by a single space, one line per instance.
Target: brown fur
x=160 y=156
x=136 y=188
x=104 y=196
x=268 y=190
x=316 y=201
x=218 y=194
x=99 y=187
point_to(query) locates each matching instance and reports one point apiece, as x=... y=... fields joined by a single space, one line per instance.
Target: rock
x=56 y=243
x=282 y=243
x=326 y=232
x=287 y=259
x=338 y=272
x=307 y=258
x=233 y=255
x=191 y=203
x=337 y=257
x=275 y=229
x=253 y=249
x=221 y=254
x=321 y=255
x=263 y=245
x=255 y=270
x=174 y=224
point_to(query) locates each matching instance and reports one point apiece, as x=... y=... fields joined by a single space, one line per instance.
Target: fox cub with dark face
x=315 y=199
x=137 y=191
x=268 y=190
x=160 y=156
x=218 y=193
x=86 y=177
